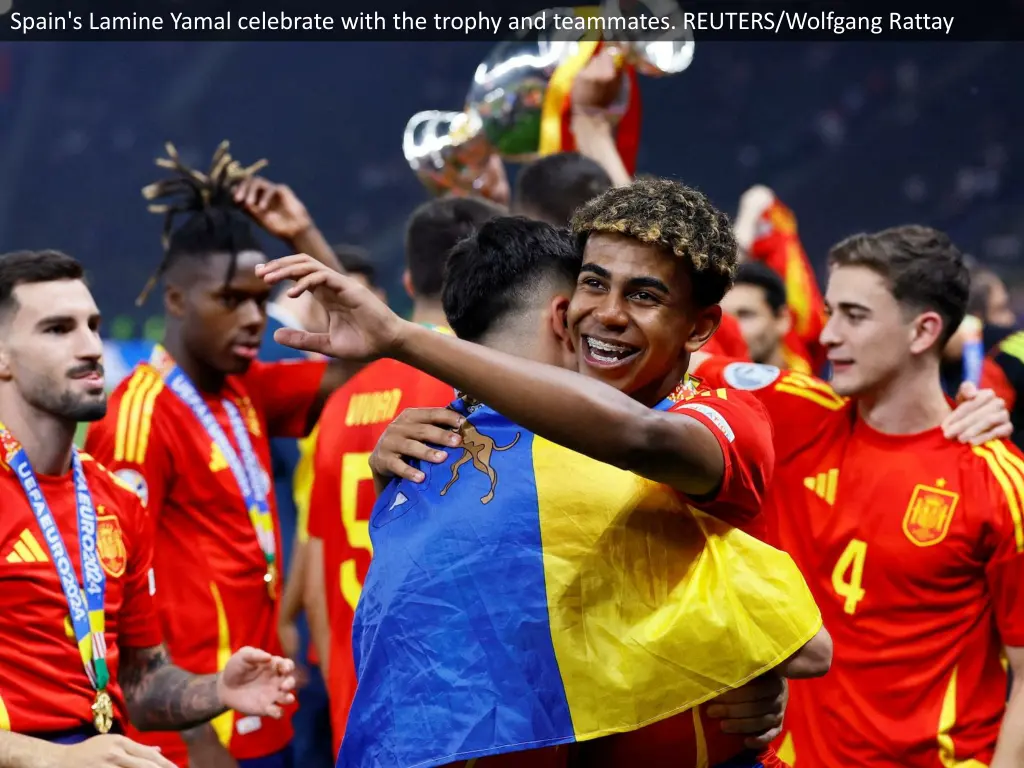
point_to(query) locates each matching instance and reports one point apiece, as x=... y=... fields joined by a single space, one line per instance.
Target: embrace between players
x=625 y=304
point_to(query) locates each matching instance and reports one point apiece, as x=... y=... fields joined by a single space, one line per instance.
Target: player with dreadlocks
x=190 y=429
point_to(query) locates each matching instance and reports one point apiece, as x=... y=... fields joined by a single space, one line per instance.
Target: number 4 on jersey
x=851 y=560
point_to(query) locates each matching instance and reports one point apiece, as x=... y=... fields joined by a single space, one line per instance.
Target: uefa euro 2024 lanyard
x=85 y=606
x=247 y=470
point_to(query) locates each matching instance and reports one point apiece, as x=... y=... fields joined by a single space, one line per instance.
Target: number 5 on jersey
x=355 y=469
x=848 y=575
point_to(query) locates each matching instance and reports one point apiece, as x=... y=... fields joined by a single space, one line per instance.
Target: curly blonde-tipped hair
x=676 y=218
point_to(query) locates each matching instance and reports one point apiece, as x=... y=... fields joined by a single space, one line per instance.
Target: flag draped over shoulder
x=525 y=596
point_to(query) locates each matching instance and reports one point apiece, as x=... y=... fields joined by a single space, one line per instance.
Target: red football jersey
x=343 y=496
x=213 y=598
x=913 y=546
x=43 y=685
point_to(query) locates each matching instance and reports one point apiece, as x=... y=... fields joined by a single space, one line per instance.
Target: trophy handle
x=663 y=53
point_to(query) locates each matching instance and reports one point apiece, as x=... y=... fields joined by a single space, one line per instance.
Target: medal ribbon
x=247 y=471
x=86 y=607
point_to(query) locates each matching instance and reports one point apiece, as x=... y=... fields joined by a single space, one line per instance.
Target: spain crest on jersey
x=110 y=545
x=929 y=514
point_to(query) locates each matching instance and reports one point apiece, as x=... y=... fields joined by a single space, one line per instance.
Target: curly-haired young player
x=657 y=257
x=189 y=430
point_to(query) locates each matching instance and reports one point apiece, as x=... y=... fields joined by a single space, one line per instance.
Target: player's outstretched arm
x=582 y=414
x=110 y=751
x=1010 y=747
x=163 y=697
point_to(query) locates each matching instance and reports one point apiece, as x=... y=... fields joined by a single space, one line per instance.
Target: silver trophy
x=509 y=87
x=447 y=151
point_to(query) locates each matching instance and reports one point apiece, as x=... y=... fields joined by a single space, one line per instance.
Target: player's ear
x=5 y=364
x=558 y=315
x=785 y=321
x=174 y=301
x=925 y=332
x=707 y=321
x=407 y=284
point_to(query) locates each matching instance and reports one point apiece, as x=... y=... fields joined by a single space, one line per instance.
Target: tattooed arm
x=163 y=697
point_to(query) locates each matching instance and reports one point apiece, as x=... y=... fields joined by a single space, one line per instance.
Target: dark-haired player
x=189 y=430
x=82 y=650
x=758 y=302
x=912 y=543
x=551 y=188
x=352 y=422
x=645 y=299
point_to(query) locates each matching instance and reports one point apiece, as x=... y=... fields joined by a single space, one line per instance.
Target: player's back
x=504 y=586
x=353 y=420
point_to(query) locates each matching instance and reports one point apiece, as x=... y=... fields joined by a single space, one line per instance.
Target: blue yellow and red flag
x=525 y=596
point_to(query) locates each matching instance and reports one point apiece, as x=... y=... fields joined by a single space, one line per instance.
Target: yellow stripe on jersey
x=947 y=721
x=5 y=719
x=1015 y=471
x=810 y=388
x=302 y=483
x=135 y=416
x=701 y=757
x=1009 y=473
x=223 y=725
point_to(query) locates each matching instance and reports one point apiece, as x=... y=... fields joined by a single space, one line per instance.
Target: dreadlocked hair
x=214 y=223
x=679 y=220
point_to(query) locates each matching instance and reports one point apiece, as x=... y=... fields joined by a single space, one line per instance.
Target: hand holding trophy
x=519 y=101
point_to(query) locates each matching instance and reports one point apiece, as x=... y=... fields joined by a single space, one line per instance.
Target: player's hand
x=274 y=207
x=255 y=683
x=753 y=203
x=979 y=416
x=755 y=710
x=414 y=435
x=360 y=325
x=291 y=647
x=598 y=84
x=111 y=751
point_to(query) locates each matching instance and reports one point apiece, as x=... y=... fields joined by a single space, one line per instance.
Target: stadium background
x=851 y=135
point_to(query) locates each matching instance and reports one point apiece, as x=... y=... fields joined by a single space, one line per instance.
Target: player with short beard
x=82 y=658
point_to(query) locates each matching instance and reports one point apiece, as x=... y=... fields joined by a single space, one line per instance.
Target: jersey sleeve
x=138 y=625
x=128 y=442
x=744 y=433
x=284 y=392
x=798 y=404
x=1004 y=570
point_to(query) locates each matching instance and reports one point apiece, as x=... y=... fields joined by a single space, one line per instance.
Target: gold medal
x=270 y=577
x=103 y=712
